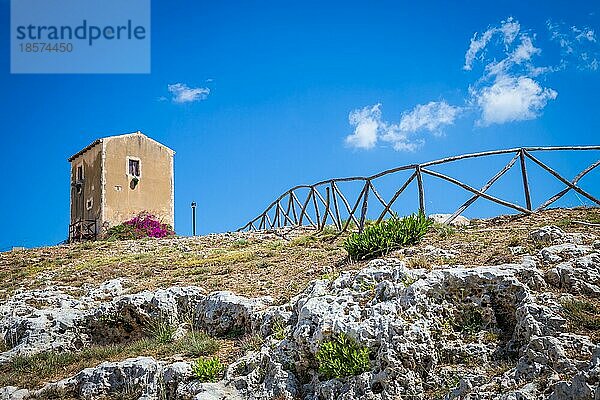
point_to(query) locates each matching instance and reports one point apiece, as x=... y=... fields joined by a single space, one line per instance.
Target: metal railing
x=81 y=230
x=325 y=199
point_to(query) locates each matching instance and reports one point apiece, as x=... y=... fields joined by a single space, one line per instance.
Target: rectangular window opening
x=134 y=167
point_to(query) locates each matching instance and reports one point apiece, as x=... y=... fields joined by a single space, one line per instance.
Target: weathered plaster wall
x=153 y=192
x=92 y=171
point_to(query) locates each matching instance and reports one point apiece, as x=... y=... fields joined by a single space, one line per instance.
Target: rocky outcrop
x=135 y=377
x=52 y=320
x=579 y=276
x=457 y=221
x=491 y=332
x=223 y=312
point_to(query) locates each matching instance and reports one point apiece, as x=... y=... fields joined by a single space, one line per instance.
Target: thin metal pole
x=193 y=218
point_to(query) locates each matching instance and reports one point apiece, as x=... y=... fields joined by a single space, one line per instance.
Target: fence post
x=520 y=153
x=338 y=220
x=316 y=205
x=363 y=211
x=421 y=191
x=525 y=182
x=326 y=208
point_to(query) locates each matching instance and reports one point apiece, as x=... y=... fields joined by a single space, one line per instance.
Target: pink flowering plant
x=142 y=225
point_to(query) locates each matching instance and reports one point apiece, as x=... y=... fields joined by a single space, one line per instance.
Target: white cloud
x=525 y=51
x=367 y=123
x=181 y=93
x=560 y=37
x=512 y=99
x=584 y=34
x=579 y=45
x=431 y=116
x=507 y=90
x=369 y=128
x=401 y=140
x=508 y=31
x=515 y=56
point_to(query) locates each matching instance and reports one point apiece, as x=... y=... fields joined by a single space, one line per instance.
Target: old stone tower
x=116 y=177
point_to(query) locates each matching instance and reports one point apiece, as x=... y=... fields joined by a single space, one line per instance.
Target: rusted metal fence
x=325 y=201
x=82 y=230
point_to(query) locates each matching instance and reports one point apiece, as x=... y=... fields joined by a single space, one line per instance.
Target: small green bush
x=199 y=344
x=142 y=225
x=582 y=314
x=342 y=356
x=444 y=231
x=161 y=331
x=379 y=239
x=121 y=232
x=278 y=329
x=207 y=369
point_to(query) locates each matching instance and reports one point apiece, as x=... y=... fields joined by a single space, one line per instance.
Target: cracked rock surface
x=487 y=332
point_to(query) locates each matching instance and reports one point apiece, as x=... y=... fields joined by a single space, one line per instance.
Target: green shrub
x=207 y=369
x=199 y=344
x=582 y=314
x=142 y=225
x=278 y=329
x=342 y=356
x=444 y=231
x=121 y=232
x=161 y=331
x=379 y=239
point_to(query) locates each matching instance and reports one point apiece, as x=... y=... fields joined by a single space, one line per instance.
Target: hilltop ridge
x=492 y=309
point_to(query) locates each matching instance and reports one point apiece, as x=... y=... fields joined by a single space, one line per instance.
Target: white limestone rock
x=549 y=234
x=107 y=290
x=137 y=377
x=222 y=313
x=400 y=316
x=196 y=390
x=52 y=320
x=42 y=320
x=13 y=393
x=423 y=329
x=560 y=252
x=578 y=276
x=584 y=385
x=175 y=376
x=458 y=221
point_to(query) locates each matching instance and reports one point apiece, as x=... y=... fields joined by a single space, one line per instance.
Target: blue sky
x=258 y=97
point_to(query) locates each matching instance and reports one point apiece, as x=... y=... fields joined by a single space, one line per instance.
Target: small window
x=134 y=167
x=80 y=172
x=88 y=204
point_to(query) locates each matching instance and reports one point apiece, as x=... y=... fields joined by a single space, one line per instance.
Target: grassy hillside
x=279 y=264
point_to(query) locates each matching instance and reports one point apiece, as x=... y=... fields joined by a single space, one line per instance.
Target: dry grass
x=487 y=241
x=32 y=372
x=583 y=316
x=247 y=264
x=255 y=264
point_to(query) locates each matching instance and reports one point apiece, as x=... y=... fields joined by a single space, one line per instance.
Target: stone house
x=116 y=177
